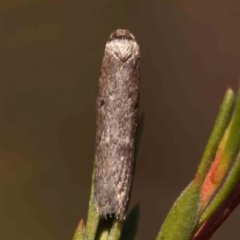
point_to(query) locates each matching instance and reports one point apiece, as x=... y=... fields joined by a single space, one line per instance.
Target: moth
x=117 y=115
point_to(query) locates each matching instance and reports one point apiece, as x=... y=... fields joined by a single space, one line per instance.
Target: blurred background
x=50 y=57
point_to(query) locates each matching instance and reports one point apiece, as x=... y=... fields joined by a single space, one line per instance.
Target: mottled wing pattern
x=117 y=115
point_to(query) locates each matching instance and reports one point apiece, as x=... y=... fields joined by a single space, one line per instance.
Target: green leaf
x=227 y=152
x=103 y=229
x=223 y=192
x=222 y=121
x=93 y=216
x=104 y=235
x=233 y=143
x=80 y=231
x=115 y=230
x=183 y=216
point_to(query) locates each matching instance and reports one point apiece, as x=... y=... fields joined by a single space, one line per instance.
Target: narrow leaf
x=80 y=231
x=220 y=126
x=183 y=216
x=93 y=216
x=224 y=191
x=103 y=230
x=214 y=177
x=115 y=230
x=226 y=154
x=104 y=235
x=220 y=215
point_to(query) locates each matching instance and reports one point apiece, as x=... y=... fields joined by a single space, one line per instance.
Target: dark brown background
x=50 y=57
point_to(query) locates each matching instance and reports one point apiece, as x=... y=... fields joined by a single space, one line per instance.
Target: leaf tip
x=81 y=224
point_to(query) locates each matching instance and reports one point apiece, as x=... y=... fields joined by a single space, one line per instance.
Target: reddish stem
x=222 y=213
